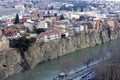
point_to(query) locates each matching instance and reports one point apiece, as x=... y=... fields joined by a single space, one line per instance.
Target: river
x=49 y=70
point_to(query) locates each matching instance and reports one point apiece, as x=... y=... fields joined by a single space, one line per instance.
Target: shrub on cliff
x=32 y=40
x=23 y=44
x=38 y=31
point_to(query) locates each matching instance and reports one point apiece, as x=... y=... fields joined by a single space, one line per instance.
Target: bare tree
x=109 y=69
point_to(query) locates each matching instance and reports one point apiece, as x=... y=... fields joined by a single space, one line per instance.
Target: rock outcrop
x=10 y=61
x=39 y=53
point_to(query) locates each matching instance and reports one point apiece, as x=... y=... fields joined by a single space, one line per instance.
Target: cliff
x=10 y=61
x=39 y=53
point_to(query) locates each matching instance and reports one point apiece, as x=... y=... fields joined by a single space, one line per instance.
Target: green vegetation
x=38 y=15
x=23 y=44
x=38 y=31
x=62 y=17
x=55 y=14
x=16 y=19
x=81 y=18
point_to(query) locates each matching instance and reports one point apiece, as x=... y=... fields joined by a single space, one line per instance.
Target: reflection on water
x=49 y=70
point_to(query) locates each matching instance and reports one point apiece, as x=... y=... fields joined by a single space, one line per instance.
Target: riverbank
x=38 y=53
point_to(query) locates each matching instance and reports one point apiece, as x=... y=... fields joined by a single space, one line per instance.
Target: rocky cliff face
x=53 y=49
x=10 y=61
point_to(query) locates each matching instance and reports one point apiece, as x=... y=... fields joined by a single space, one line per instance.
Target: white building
x=42 y=24
x=100 y=16
x=50 y=35
x=72 y=15
x=79 y=28
x=29 y=26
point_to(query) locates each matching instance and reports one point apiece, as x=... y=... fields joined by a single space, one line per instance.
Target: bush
x=32 y=40
x=23 y=43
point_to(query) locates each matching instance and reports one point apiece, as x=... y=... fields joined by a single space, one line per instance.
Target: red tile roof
x=50 y=32
x=10 y=32
x=57 y=22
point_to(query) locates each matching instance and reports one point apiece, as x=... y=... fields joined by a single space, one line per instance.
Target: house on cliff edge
x=50 y=35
